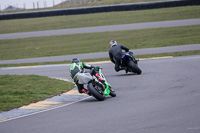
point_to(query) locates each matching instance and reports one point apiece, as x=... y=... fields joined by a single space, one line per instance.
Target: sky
x=28 y=4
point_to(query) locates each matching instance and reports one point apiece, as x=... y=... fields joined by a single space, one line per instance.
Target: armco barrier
x=98 y=9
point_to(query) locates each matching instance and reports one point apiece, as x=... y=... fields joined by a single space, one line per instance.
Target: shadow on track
x=129 y=74
x=92 y=99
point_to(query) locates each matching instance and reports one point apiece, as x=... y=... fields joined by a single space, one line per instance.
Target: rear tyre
x=134 y=68
x=96 y=90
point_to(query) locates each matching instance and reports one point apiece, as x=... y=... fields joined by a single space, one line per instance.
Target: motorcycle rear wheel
x=134 y=67
x=96 y=91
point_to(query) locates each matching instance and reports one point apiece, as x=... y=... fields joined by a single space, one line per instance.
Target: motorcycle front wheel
x=112 y=93
x=96 y=90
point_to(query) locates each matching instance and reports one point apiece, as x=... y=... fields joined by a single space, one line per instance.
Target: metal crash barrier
x=98 y=9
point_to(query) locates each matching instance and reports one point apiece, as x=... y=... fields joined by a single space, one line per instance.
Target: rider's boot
x=99 y=78
x=126 y=69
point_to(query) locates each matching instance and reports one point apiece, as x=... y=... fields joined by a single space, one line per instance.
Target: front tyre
x=134 y=68
x=112 y=93
x=96 y=90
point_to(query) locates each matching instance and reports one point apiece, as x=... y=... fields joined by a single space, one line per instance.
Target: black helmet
x=75 y=60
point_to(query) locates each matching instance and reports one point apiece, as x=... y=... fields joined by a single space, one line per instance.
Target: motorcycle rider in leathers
x=115 y=54
x=78 y=67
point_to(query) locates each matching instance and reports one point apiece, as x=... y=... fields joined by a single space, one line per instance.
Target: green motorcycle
x=96 y=88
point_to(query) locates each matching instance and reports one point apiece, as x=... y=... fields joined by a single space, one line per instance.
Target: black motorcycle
x=129 y=62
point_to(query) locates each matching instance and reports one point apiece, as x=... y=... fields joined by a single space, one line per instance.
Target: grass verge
x=174 y=54
x=98 y=19
x=97 y=42
x=19 y=90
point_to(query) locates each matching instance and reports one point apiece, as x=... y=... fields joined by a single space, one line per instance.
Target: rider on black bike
x=78 y=67
x=115 y=54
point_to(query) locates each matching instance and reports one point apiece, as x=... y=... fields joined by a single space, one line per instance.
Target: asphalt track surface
x=163 y=99
x=171 y=23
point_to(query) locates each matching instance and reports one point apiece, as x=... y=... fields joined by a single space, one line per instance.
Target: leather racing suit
x=115 y=54
x=76 y=68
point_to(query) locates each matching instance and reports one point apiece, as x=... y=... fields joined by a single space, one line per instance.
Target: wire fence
x=30 y=5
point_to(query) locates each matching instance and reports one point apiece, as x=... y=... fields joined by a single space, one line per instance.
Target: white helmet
x=112 y=43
